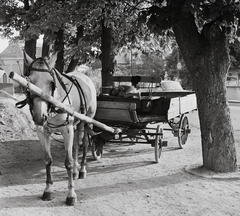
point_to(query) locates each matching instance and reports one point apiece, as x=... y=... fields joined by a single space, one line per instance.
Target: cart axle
x=185 y=131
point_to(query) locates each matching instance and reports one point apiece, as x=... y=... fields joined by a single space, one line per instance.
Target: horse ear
x=53 y=60
x=28 y=60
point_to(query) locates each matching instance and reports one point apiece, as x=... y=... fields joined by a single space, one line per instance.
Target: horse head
x=40 y=74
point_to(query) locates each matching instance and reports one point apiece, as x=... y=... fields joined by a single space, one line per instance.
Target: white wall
x=233 y=92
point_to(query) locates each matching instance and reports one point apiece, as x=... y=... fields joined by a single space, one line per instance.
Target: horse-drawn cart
x=127 y=117
x=141 y=115
x=137 y=118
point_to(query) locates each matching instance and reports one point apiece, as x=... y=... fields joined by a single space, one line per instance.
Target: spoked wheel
x=183 y=131
x=97 y=149
x=158 y=143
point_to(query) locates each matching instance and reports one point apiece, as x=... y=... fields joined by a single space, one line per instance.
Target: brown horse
x=75 y=90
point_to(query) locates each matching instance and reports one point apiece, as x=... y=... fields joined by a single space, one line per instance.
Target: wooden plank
x=104 y=114
x=188 y=103
x=116 y=105
x=167 y=94
x=174 y=108
x=147 y=79
x=182 y=105
x=116 y=111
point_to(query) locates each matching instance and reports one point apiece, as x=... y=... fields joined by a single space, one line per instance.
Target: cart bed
x=144 y=107
x=118 y=111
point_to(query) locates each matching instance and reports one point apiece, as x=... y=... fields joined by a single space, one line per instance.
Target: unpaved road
x=125 y=182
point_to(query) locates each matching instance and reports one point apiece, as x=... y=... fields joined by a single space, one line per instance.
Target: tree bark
x=207 y=59
x=45 y=48
x=59 y=47
x=30 y=45
x=73 y=63
x=108 y=56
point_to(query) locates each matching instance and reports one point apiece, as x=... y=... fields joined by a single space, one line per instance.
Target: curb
x=199 y=170
x=233 y=101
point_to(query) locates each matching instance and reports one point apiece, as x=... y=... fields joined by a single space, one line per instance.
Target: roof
x=14 y=50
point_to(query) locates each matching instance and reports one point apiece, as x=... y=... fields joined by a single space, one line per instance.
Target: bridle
x=29 y=98
x=48 y=70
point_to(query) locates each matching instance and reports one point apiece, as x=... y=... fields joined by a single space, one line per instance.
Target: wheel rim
x=158 y=143
x=183 y=128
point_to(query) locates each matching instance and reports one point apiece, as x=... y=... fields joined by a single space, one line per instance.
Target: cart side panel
x=181 y=105
x=116 y=111
x=174 y=109
x=188 y=103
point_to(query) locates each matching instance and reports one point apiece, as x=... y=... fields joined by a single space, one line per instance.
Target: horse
x=75 y=90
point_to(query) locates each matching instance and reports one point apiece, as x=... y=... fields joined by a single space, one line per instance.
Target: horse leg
x=68 y=142
x=85 y=142
x=44 y=139
x=75 y=150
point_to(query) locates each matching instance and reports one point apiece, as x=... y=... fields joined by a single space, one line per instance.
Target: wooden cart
x=141 y=116
x=131 y=119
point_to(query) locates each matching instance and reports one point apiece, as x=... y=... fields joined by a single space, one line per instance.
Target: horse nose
x=39 y=121
x=39 y=111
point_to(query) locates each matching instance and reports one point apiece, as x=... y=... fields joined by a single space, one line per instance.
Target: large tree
x=202 y=29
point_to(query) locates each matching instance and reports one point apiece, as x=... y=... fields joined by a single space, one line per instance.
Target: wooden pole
x=22 y=81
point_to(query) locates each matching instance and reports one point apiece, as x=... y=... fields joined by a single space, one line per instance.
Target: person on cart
x=124 y=90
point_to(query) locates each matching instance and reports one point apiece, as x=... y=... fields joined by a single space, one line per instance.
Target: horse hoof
x=47 y=196
x=82 y=175
x=70 y=201
x=75 y=176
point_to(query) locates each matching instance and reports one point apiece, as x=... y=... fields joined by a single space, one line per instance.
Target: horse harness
x=52 y=109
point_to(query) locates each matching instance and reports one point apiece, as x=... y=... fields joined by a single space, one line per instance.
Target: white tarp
x=82 y=68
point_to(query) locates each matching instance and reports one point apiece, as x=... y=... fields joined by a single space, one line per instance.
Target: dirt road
x=125 y=182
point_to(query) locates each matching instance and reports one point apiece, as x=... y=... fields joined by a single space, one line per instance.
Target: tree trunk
x=73 y=63
x=59 y=47
x=30 y=45
x=107 y=56
x=207 y=59
x=45 y=48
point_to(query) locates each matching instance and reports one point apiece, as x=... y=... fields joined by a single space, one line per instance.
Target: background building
x=233 y=84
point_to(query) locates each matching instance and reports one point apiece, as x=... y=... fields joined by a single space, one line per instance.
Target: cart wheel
x=158 y=143
x=183 y=131
x=97 y=150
